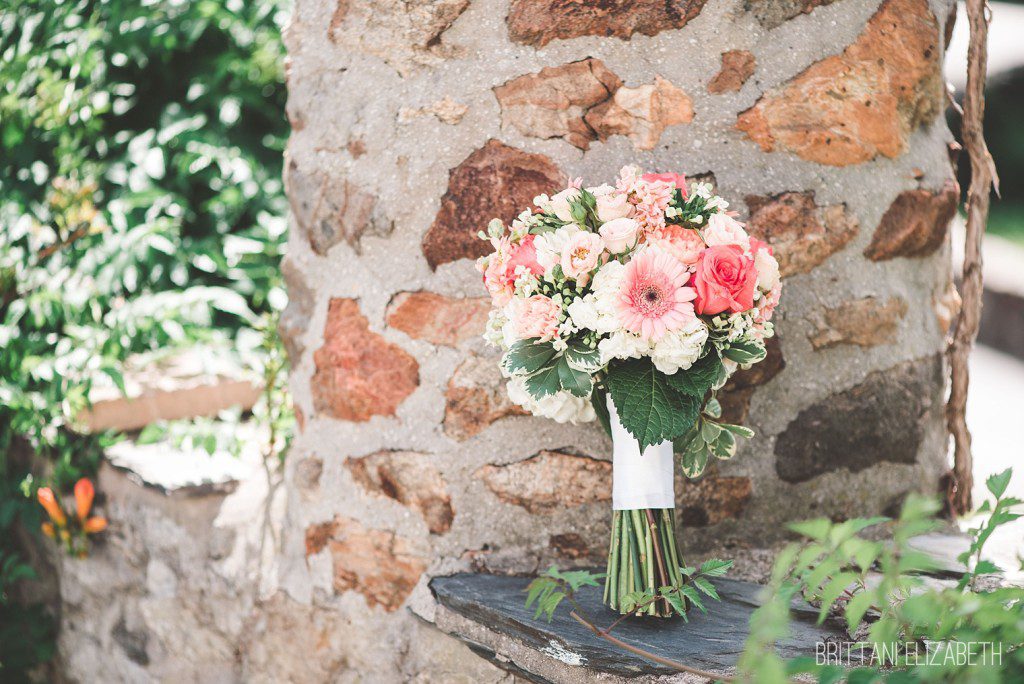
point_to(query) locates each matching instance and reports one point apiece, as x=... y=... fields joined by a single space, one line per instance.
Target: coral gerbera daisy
x=653 y=297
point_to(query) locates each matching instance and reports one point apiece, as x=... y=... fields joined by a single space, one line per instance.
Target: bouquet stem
x=642 y=559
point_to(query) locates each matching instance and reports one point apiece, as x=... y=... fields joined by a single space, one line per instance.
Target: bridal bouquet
x=632 y=304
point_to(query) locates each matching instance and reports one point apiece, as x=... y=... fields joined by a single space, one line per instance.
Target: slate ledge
x=487 y=612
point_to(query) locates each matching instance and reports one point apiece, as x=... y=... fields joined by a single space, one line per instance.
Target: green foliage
x=649 y=407
x=142 y=208
x=906 y=626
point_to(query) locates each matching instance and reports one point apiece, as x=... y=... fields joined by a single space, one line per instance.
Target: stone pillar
x=416 y=122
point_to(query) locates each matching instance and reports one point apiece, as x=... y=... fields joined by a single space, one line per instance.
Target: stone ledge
x=487 y=612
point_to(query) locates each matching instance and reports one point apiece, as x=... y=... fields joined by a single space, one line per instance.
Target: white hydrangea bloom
x=606 y=286
x=622 y=345
x=494 y=333
x=562 y=407
x=678 y=349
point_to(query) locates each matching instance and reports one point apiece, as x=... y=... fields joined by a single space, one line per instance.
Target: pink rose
x=682 y=243
x=536 y=316
x=725 y=230
x=581 y=255
x=725 y=280
x=620 y=235
x=676 y=179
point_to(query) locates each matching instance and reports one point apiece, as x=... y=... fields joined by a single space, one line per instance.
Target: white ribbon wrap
x=639 y=480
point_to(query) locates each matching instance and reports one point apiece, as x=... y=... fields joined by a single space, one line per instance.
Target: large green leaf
x=648 y=407
x=698 y=378
x=582 y=357
x=527 y=356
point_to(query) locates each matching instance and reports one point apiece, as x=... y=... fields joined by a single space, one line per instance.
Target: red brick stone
x=549 y=481
x=850 y=108
x=538 y=22
x=377 y=563
x=410 y=479
x=865 y=322
x=801 y=233
x=295 y=318
x=641 y=113
x=329 y=210
x=915 y=224
x=711 y=499
x=438 y=319
x=359 y=374
x=475 y=398
x=737 y=67
x=553 y=102
x=571 y=546
x=495 y=181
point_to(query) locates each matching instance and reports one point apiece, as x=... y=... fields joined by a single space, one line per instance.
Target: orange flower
x=49 y=502
x=94 y=525
x=48 y=530
x=84 y=493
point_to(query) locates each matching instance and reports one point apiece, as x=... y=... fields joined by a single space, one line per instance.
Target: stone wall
x=416 y=122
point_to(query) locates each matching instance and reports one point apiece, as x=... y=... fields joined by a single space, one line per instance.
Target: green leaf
x=858 y=605
x=695 y=458
x=997 y=483
x=675 y=599
x=698 y=378
x=599 y=399
x=544 y=383
x=745 y=352
x=691 y=593
x=715 y=567
x=577 y=382
x=724 y=447
x=986 y=567
x=707 y=587
x=713 y=408
x=738 y=430
x=581 y=357
x=526 y=357
x=817 y=529
x=835 y=587
x=118 y=378
x=648 y=407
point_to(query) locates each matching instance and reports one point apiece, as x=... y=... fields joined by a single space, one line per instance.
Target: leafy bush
x=141 y=202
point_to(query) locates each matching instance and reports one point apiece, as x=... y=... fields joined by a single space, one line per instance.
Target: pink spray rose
x=724 y=280
x=723 y=229
x=524 y=254
x=677 y=179
x=536 y=316
x=682 y=243
x=581 y=255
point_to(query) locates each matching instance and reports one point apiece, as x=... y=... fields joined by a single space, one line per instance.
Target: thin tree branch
x=675 y=665
x=983 y=179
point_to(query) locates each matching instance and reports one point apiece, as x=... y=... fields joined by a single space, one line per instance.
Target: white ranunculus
x=767 y=270
x=560 y=204
x=613 y=206
x=622 y=345
x=562 y=407
x=550 y=245
x=620 y=234
x=678 y=349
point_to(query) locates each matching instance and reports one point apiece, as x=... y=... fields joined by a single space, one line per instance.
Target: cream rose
x=620 y=235
x=613 y=206
x=725 y=230
x=581 y=255
x=561 y=204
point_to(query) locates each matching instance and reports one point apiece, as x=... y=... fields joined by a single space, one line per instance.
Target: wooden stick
x=983 y=179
